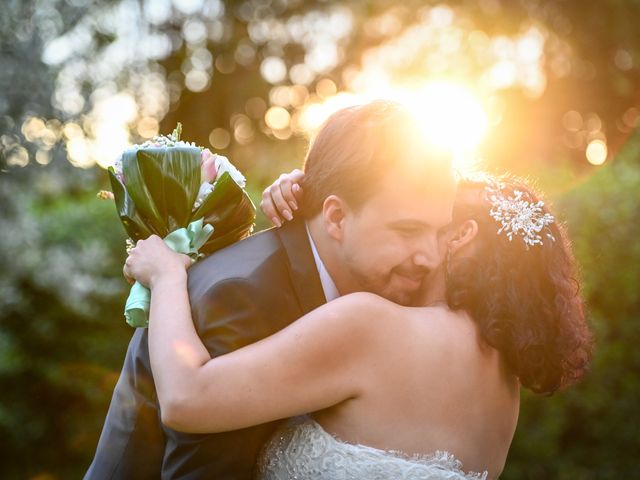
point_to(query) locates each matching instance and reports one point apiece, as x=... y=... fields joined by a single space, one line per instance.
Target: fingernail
x=287 y=214
x=293 y=206
x=276 y=221
x=296 y=188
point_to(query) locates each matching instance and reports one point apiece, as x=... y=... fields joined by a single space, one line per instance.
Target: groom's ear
x=463 y=235
x=334 y=212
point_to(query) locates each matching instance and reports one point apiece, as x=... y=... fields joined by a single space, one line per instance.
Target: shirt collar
x=328 y=286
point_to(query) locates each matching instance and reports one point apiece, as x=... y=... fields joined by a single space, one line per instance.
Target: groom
x=375 y=197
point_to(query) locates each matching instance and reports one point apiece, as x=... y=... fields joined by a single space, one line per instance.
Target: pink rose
x=208 y=170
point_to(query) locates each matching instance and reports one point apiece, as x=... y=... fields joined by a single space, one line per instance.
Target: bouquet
x=192 y=198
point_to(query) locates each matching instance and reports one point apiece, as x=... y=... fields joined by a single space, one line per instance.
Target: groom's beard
x=402 y=285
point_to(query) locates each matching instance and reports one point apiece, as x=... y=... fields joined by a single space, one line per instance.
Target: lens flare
x=450 y=115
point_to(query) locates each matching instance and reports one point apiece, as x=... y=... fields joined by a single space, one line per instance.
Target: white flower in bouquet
x=212 y=166
x=205 y=189
x=171 y=140
x=224 y=165
x=117 y=166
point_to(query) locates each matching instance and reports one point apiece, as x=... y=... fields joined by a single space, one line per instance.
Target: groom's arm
x=228 y=314
x=234 y=313
x=133 y=445
x=132 y=442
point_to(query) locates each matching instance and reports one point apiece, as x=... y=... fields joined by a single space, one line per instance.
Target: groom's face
x=390 y=243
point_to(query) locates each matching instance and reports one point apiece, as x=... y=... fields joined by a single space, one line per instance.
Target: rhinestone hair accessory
x=518 y=216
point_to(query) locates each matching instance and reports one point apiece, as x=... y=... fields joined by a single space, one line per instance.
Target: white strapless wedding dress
x=303 y=450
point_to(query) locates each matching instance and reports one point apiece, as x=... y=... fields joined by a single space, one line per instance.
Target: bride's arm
x=318 y=361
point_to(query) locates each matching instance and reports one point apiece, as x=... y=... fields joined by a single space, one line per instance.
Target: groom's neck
x=327 y=250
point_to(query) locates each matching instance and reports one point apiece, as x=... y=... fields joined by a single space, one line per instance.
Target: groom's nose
x=421 y=260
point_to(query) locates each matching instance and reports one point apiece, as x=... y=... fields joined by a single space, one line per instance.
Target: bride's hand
x=151 y=259
x=283 y=197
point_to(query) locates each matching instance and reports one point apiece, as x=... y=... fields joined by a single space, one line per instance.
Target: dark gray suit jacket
x=238 y=295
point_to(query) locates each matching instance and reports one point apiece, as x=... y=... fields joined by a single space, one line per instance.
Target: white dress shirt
x=328 y=287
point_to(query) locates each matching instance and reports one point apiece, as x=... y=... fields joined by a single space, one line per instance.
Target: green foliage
x=62 y=335
x=590 y=431
x=62 y=338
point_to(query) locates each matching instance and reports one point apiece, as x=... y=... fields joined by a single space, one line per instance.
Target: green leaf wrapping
x=133 y=224
x=231 y=212
x=137 y=188
x=172 y=179
x=161 y=187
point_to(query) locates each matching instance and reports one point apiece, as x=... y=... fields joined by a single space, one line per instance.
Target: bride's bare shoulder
x=364 y=299
x=361 y=304
x=377 y=314
x=364 y=303
x=362 y=310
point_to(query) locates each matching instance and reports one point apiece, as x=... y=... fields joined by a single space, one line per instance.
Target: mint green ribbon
x=184 y=240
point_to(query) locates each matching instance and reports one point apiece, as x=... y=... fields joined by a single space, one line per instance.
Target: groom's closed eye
x=408 y=232
x=408 y=227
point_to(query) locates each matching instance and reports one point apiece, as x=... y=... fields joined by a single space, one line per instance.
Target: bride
x=388 y=391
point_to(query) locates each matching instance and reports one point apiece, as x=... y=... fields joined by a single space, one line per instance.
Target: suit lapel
x=302 y=267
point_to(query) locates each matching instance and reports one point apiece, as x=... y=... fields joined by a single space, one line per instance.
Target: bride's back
x=433 y=385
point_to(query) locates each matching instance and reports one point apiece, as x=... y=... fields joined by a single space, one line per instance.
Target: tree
x=240 y=75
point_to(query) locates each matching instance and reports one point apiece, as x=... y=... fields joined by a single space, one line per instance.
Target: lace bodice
x=304 y=450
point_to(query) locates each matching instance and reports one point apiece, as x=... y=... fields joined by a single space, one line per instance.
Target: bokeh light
x=273 y=69
x=425 y=65
x=446 y=66
x=596 y=152
x=219 y=138
x=277 y=118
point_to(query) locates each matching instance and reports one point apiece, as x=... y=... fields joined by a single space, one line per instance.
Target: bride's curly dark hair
x=525 y=299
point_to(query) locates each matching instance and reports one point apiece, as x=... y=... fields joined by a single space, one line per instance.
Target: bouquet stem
x=187 y=240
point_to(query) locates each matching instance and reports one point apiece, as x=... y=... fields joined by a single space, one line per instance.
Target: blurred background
x=544 y=88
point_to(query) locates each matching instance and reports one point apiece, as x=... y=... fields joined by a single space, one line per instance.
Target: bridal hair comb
x=519 y=216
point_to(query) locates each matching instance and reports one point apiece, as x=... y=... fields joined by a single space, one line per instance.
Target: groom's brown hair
x=357 y=145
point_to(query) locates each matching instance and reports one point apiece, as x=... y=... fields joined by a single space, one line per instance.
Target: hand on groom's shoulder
x=251 y=289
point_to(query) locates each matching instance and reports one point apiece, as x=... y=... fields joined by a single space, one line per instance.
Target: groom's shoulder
x=263 y=260
x=240 y=259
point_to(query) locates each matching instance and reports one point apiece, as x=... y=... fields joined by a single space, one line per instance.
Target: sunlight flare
x=451 y=117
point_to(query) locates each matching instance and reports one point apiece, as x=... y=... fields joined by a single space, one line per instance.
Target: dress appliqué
x=303 y=450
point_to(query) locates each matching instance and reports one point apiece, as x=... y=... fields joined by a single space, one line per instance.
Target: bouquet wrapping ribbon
x=187 y=240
